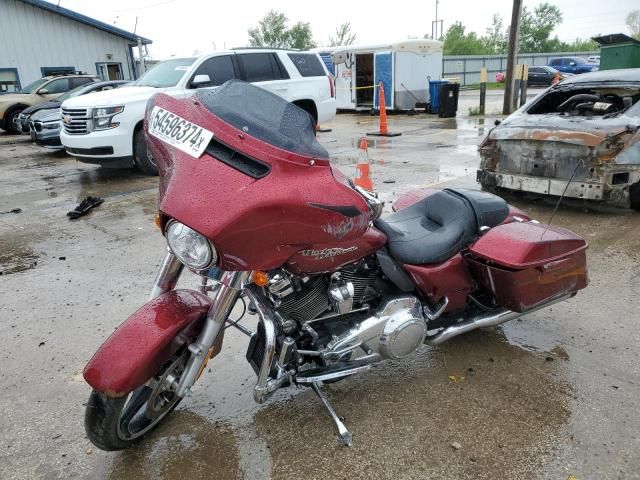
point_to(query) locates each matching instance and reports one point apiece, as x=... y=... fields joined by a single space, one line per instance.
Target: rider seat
x=437 y=227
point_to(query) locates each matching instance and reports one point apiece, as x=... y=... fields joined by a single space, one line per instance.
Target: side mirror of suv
x=43 y=91
x=200 y=80
x=573 y=64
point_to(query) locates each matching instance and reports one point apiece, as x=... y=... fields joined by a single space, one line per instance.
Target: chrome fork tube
x=225 y=298
x=168 y=275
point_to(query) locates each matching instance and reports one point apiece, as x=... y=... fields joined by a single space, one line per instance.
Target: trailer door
x=383 y=72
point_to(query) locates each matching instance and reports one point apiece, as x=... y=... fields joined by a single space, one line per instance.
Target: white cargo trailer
x=402 y=67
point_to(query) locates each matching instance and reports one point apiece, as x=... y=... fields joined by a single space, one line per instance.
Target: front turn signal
x=259 y=278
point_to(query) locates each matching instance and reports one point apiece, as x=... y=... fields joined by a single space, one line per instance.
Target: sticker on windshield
x=181 y=68
x=178 y=132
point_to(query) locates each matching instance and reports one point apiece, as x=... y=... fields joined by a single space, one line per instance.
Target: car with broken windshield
x=580 y=139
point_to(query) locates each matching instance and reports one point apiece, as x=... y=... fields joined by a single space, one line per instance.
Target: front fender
x=145 y=341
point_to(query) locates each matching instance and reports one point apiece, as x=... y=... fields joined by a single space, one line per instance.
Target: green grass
x=490 y=86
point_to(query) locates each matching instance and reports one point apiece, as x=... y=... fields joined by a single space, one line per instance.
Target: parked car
x=106 y=127
x=40 y=91
x=25 y=116
x=544 y=75
x=594 y=59
x=45 y=127
x=580 y=138
x=572 y=65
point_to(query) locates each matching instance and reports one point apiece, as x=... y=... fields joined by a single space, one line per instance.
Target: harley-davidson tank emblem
x=327 y=252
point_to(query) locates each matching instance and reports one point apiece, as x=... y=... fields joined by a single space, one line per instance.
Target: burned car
x=580 y=137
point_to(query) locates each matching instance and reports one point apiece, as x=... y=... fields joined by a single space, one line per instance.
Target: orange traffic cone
x=363 y=177
x=384 y=130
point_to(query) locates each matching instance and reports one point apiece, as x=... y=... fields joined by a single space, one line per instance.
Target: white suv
x=106 y=127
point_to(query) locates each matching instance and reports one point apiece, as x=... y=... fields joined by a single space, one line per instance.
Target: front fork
x=226 y=296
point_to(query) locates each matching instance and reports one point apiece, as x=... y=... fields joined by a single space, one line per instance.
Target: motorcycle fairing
x=254 y=223
x=145 y=341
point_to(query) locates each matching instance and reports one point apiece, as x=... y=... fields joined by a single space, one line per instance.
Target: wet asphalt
x=554 y=395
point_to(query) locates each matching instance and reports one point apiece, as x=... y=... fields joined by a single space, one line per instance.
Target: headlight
x=52 y=125
x=189 y=246
x=103 y=117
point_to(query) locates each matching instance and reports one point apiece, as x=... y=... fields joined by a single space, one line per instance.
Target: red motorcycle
x=249 y=201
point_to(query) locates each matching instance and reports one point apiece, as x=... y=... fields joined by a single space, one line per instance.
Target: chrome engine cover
x=397 y=329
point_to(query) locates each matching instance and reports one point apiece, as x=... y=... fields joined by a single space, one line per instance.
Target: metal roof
x=614 y=38
x=92 y=22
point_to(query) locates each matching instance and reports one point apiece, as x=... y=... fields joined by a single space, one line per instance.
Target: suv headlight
x=191 y=248
x=103 y=117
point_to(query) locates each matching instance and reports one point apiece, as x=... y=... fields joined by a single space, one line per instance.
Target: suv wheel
x=141 y=156
x=10 y=120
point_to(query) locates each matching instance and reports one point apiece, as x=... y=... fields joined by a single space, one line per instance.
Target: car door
x=219 y=69
x=534 y=75
x=265 y=70
x=567 y=63
x=56 y=87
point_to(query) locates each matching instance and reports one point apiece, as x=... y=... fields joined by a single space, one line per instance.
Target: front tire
x=141 y=156
x=10 y=120
x=115 y=423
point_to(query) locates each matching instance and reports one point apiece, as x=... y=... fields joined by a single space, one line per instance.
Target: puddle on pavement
x=16 y=255
x=506 y=406
x=186 y=446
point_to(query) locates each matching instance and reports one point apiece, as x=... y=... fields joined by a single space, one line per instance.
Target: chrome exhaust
x=490 y=319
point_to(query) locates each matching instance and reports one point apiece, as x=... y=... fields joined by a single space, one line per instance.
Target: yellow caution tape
x=356 y=88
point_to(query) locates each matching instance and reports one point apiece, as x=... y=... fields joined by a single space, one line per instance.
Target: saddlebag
x=527 y=264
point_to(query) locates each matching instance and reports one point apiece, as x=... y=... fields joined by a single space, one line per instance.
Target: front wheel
x=141 y=156
x=116 y=423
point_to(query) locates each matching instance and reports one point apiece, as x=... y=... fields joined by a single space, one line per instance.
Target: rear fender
x=145 y=341
x=413 y=196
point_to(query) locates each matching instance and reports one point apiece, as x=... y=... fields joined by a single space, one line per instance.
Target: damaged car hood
x=589 y=132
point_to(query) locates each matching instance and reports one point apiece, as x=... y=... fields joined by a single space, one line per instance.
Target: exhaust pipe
x=491 y=319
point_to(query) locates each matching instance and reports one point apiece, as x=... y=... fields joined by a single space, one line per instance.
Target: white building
x=38 y=38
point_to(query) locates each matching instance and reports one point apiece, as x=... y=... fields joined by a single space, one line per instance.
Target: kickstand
x=343 y=434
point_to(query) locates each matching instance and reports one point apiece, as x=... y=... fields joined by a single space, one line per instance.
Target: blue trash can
x=434 y=94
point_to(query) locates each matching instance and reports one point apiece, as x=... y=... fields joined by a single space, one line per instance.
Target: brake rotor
x=162 y=397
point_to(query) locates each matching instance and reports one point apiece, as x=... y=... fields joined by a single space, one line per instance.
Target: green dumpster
x=618 y=51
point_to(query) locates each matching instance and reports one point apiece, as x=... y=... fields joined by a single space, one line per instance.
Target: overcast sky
x=179 y=27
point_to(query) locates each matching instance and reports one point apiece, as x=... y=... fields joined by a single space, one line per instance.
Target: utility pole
x=142 y=68
x=434 y=25
x=512 y=56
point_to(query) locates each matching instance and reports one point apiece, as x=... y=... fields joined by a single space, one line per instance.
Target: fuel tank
x=260 y=201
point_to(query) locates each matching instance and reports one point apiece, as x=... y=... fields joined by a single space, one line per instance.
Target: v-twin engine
x=397 y=329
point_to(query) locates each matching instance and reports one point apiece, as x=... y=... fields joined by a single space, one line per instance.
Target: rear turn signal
x=259 y=278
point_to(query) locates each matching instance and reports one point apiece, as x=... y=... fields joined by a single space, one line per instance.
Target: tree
x=633 y=22
x=272 y=31
x=300 y=36
x=536 y=28
x=457 y=42
x=343 y=36
x=495 y=40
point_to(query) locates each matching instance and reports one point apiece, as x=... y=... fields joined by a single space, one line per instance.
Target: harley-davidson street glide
x=248 y=201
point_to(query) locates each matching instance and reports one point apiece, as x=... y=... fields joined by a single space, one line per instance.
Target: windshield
x=165 y=74
x=71 y=93
x=580 y=60
x=265 y=116
x=33 y=87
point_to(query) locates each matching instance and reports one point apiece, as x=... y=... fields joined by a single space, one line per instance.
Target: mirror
x=43 y=91
x=573 y=64
x=200 y=80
